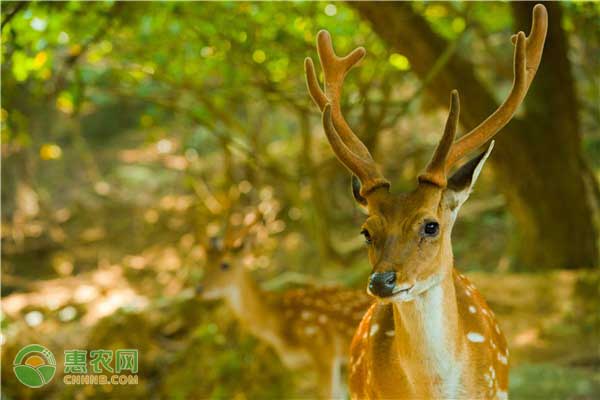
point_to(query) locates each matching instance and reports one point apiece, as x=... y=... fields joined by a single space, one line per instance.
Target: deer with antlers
x=303 y=326
x=430 y=334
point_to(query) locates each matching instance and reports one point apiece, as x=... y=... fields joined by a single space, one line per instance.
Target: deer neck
x=426 y=333
x=255 y=313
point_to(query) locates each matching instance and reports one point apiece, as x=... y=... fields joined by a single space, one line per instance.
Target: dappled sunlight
x=101 y=293
x=155 y=156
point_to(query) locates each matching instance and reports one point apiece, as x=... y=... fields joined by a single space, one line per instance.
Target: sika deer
x=431 y=334
x=303 y=326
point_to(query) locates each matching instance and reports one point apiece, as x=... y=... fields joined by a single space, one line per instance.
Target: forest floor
x=550 y=320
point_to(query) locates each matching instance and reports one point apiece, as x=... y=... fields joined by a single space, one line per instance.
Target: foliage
x=133 y=132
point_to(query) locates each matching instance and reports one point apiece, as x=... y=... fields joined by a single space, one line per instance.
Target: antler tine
x=365 y=170
x=314 y=89
x=334 y=70
x=233 y=235
x=346 y=145
x=528 y=54
x=435 y=172
x=535 y=40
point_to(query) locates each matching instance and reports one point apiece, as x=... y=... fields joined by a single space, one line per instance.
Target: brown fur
x=431 y=335
x=395 y=352
x=307 y=328
x=394 y=367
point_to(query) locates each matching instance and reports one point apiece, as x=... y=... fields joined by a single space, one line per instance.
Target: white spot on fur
x=357 y=363
x=497 y=328
x=374 y=329
x=322 y=318
x=472 y=309
x=306 y=315
x=488 y=379
x=475 y=337
x=310 y=330
x=390 y=333
x=501 y=395
x=502 y=359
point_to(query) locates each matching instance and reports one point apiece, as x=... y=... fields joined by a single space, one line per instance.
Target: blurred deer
x=431 y=334
x=303 y=326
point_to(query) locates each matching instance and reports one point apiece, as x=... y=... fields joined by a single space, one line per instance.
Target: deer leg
x=337 y=386
x=325 y=379
x=330 y=385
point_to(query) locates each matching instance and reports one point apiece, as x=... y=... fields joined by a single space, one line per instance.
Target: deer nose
x=199 y=288
x=382 y=283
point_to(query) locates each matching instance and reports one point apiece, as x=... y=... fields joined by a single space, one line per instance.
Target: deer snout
x=382 y=284
x=199 y=288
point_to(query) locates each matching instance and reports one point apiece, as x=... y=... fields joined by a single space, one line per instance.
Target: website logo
x=34 y=366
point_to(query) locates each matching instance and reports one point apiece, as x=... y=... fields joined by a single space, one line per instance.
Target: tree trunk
x=538 y=160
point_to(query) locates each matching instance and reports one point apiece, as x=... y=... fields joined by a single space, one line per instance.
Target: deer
x=299 y=324
x=430 y=333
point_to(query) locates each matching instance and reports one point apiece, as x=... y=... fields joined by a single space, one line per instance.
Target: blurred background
x=134 y=132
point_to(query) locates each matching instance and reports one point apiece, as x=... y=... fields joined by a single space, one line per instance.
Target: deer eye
x=431 y=228
x=367 y=235
x=224 y=266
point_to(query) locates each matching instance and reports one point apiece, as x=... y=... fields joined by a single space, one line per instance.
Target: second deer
x=431 y=334
x=303 y=326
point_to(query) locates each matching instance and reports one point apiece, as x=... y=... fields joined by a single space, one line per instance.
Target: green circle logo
x=34 y=366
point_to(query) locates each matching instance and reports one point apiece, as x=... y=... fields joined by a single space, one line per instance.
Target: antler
x=234 y=236
x=346 y=145
x=527 y=56
x=436 y=169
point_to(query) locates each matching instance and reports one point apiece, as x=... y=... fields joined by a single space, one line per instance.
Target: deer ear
x=215 y=243
x=237 y=245
x=356 y=192
x=461 y=183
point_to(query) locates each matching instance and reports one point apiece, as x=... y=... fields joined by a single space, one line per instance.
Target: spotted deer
x=309 y=327
x=431 y=333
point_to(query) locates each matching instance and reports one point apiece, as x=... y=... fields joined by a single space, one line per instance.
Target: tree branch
x=12 y=13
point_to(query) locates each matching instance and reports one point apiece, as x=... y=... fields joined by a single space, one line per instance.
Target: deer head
x=408 y=235
x=224 y=268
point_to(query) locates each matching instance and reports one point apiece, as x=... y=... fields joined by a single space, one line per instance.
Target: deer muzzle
x=382 y=284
